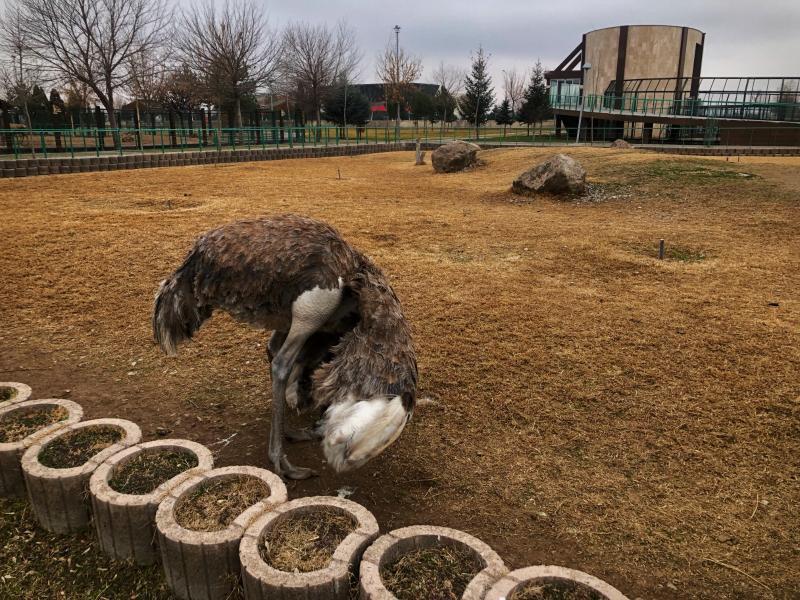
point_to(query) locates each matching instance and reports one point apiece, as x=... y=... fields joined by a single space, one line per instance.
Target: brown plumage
x=340 y=341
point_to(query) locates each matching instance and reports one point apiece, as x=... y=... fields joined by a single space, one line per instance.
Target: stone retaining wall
x=29 y=167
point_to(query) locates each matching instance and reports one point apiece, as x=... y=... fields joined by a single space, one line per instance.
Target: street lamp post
x=585 y=67
x=397 y=76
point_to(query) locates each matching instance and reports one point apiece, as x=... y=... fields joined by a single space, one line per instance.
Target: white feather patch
x=355 y=432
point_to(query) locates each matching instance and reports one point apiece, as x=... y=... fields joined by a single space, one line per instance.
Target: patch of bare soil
x=75 y=448
x=213 y=506
x=148 y=470
x=306 y=542
x=22 y=423
x=438 y=573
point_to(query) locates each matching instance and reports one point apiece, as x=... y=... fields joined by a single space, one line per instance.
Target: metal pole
x=397 y=72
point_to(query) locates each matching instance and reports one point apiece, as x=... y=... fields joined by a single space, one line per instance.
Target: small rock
x=672 y=586
x=162 y=431
x=620 y=144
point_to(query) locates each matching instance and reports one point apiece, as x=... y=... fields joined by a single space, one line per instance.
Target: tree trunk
x=108 y=104
x=238 y=112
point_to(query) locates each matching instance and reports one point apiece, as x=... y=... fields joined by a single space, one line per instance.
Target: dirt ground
x=590 y=405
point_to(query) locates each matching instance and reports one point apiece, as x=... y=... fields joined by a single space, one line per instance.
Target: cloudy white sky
x=742 y=38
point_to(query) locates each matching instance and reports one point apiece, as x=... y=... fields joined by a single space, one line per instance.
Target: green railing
x=667 y=105
x=81 y=141
x=24 y=143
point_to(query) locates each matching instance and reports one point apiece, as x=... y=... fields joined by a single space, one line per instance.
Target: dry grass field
x=590 y=405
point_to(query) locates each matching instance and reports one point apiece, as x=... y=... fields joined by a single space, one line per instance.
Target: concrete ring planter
x=125 y=523
x=394 y=544
x=59 y=496
x=518 y=580
x=204 y=565
x=262 y=581
x=21 y=392
x=12 y=482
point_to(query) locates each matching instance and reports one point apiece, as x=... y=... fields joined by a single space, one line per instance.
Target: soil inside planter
x=7 y=393
x=555 y=590
x=306 y=542
x=438 y=573
x=148 y=470
x=22 y=423
x=214 y=505
x=77 y=447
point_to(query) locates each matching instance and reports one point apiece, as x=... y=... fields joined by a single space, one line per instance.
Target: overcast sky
x=742 y=38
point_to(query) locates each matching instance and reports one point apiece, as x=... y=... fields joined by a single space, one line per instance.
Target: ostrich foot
x=288 y=471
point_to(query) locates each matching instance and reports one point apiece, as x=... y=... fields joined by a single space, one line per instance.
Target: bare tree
x=315 y=56
x=514 y=87
x=450 y=80
x=398 y=71
x=21 y=73
x=233 y=48
x=148 y=76
x=93 y=41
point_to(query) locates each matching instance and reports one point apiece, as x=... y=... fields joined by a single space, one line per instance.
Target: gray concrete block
x=125 y=523
x=59 y=497
x=12 y=482
x=519 y=579
x=394 y=544
x=263 y=581
x=204 y=565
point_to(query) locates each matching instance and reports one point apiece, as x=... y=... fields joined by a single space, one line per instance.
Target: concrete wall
x=651 y=51
x=602 y=48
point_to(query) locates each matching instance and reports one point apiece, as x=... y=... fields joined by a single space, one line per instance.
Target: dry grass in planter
x=200 y=524
x=13 y=392
x=57 y=468
x=214 y=505
x=426 y=561
x=147 y=471
x=550 y=582
x=127 y=488
x=437 y=573
x=556 y=591
x=76 y=448
x=306 y=549
x=306 y=542
x=22 y=423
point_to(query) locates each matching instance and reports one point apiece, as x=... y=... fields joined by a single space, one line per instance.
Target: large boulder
x=454 y=156
x=620 y=144
x=559 y=174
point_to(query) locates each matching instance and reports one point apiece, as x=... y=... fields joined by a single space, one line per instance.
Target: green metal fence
x=22 y=143
x=666 y=105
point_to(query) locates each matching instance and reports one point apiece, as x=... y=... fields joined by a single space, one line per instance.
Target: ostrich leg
x=310 y=311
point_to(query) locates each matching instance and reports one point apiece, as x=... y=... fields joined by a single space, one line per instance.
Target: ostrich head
x=355 y=431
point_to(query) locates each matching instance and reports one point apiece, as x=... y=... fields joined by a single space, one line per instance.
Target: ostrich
x=340 y=342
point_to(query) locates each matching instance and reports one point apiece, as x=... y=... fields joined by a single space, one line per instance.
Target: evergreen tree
x=536 y=103
x=503 y=114
x=422 y=106
x=444 y=105
x=357 y=106
x=479 y=95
